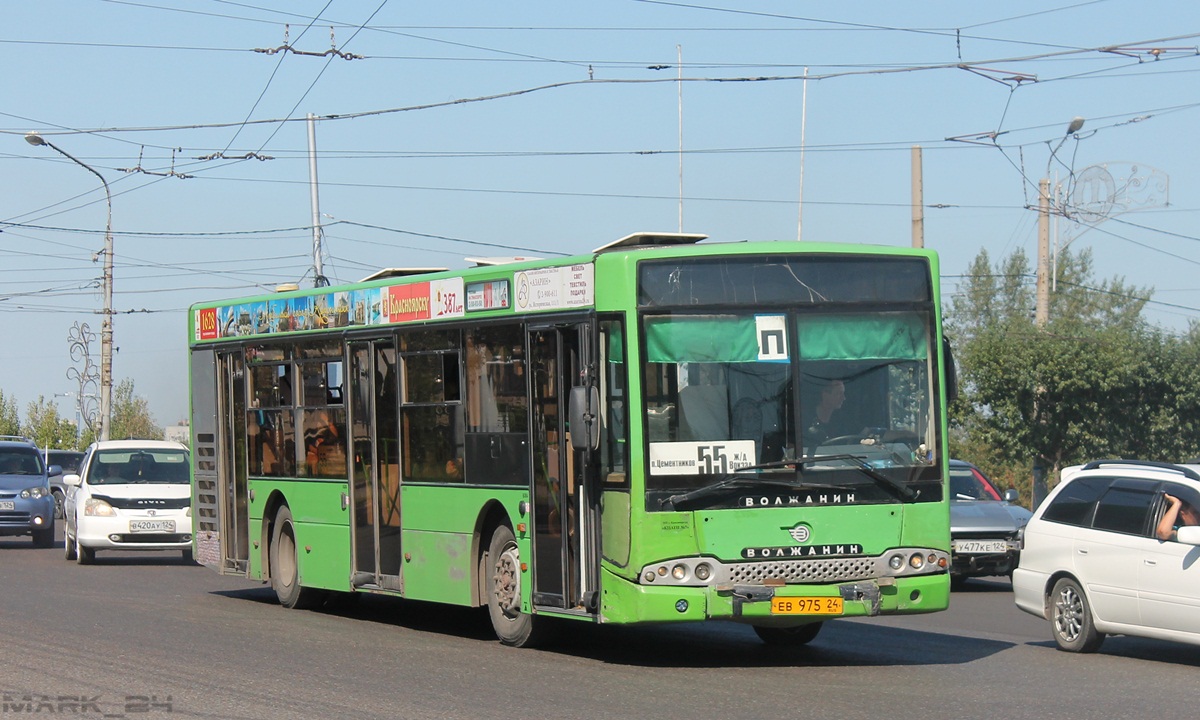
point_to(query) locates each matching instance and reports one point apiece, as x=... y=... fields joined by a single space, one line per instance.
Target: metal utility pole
x=106 y=328
x=319 y=279
x=918 y=199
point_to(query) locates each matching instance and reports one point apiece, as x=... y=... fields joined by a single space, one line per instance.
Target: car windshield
x=112 y=467
x=20 y=461
x=968 y=484
x=68 y=461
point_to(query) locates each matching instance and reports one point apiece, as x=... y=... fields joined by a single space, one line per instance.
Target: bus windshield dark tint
x=783 y=279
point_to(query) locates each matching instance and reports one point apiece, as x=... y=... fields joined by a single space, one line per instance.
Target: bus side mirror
x=584 y=414
x=951 y=371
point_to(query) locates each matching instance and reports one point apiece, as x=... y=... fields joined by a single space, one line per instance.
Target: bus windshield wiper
x=899 y=489
x=735 y=478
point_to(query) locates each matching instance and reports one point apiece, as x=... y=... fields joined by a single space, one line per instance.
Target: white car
x=1092 y=565
x=129 y=495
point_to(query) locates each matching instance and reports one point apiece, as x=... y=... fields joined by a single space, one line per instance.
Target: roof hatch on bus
x=646 y=239
x=400 y=272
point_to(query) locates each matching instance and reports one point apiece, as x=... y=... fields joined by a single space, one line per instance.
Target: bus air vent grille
x=828 y=570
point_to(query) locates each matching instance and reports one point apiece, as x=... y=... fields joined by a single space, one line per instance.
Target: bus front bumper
x=628 y=602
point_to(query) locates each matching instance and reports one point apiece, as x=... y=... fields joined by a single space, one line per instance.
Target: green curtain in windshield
x=704 y=338
x=894 y=336
x=709 y=338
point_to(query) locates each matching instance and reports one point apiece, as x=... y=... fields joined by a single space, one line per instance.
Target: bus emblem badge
x=800 y=533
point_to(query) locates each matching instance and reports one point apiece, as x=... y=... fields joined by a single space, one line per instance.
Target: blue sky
x=468 y=129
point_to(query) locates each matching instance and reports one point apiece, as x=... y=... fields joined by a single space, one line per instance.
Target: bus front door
x=234 y=494
x=564 y=509
x=375 y=469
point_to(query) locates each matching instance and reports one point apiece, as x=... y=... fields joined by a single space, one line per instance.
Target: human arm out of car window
x=1166 y=526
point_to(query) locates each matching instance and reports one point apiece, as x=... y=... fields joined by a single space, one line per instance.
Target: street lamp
x=106 y=329
x=1042 y=309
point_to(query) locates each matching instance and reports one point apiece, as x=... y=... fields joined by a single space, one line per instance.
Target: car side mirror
x=1188 y=535
x=1011 y=495
x=71 y=479
x=53 y=470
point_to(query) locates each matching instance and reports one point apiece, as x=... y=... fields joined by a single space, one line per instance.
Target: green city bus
x=663 y=430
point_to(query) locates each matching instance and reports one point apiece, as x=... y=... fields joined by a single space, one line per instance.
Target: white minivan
x=129 y=495
x=1092 y=564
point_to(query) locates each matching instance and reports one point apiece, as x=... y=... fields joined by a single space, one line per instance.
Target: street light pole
x=1042 y=309
x=106 y=328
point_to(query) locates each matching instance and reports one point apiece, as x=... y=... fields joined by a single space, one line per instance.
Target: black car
x=68 y=460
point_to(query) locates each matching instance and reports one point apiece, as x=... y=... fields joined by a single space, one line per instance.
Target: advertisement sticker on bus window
x=491 y=295
x=700 y=458
x=555 y=288
x=206 y=324
x=446 y=297
x=406 y=303
x=772 y=337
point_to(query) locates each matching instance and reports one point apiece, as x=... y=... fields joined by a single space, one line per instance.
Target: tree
x=10 y=421
x=46 y=428
x=1097 y=381
x=131 y=416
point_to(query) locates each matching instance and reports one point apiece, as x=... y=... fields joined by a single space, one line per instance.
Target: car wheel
x=788 y=636
x=83 y=555
x=44 y=538
x=69 y=546
x=58 y=504
x=958 y=582
x=1071 y=619
x=502 y=573
x=285 y=567
x=187 y=556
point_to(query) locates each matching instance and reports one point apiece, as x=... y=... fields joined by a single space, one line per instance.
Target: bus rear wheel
x=504 y=595
x=285 y=566
x=788 y=636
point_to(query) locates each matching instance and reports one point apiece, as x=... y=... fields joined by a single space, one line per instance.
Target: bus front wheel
x=513 y=627
x=788 y=636
x=285 y=567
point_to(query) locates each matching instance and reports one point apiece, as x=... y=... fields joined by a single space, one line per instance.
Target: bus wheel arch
x=491 y=516
x=284 y=561
x=507 y=588
x=270 y=510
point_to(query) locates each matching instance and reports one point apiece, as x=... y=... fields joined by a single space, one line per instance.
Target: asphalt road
x=146 y=636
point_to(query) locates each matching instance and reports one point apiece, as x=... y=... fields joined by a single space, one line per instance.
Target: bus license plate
x=137 y=526
x=806 y=606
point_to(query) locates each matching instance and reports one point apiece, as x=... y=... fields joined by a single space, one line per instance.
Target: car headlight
x=35 y=492
x=96 y=506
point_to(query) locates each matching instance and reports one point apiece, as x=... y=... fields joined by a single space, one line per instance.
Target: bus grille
x=804 y=571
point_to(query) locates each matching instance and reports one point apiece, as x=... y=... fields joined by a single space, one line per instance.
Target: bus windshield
x=731 y=390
